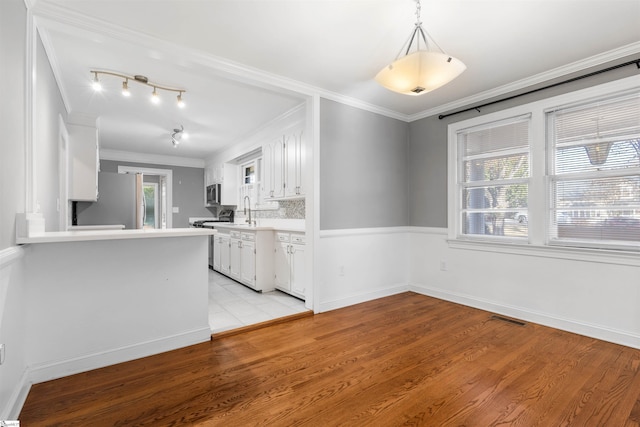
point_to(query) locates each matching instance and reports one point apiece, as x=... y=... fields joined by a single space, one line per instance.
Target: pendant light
x=424 y=69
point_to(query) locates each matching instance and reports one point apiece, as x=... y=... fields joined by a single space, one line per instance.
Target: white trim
x=62 y=368
x=155 y=159
x=565 y=70
x=57 y=15
x=167 y=173
x=565 y=324
x=64 y=218
x=10 y=255
x=538 y=191
x=14 y=405
x=362 y=297
x=363 y=231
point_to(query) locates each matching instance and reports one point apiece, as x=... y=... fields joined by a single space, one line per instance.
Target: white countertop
x=245 y=227
x=90 y=235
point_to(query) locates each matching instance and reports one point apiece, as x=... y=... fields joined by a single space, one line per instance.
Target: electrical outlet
x=1 y=354
x=443 y=265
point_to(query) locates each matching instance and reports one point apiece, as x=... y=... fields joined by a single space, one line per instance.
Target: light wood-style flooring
x=404 y=360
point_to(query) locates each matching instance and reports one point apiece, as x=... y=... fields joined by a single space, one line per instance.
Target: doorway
x=160 y=182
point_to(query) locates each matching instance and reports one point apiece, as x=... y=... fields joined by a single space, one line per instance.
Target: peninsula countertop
x=91 y=235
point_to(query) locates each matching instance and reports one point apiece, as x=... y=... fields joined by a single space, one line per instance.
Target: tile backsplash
x=288 y=209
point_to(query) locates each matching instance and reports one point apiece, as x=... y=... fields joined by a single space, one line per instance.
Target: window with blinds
x=493 y=163
x=594 y=173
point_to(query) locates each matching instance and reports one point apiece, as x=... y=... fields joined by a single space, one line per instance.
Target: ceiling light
x=177 y=136
x=422 y=70
x=125 y=88
x=155 y=98
x=96 y=85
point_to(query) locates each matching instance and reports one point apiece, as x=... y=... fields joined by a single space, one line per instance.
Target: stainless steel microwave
x=213 y=194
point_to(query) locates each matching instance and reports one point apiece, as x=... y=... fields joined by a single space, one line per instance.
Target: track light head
x=96 y=85
x=154 y=97
x=125 y=88
x=180 y=101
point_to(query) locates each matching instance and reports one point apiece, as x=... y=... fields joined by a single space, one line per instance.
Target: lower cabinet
x=289 y=263
x=245 y=256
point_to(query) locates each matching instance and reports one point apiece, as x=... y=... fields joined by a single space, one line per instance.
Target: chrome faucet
x=244 y=201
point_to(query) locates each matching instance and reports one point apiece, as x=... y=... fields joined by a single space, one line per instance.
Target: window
x=562 y=172
x=594 y=173
x=494 y=186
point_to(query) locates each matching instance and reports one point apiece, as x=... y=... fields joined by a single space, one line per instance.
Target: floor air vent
x=506 y=319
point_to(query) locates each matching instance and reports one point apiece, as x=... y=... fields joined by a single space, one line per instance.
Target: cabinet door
x=295 y=165
x=298 y=270
x=248 y=263
x=281 y=265
x=235 y=247
x=224 y=254
x=217 y=249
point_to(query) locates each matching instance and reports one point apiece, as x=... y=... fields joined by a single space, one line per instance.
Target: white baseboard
x=362 y=297
x=49 y=371
x=13 y=406
x=569 y=325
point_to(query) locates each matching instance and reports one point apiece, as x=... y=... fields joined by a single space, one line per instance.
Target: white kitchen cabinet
x=294 y=163
x=84 y=163
x=289 y=263
x=248 y=255
x=235 y=248
x=283 y=166
x=225 y=174
x=272 y=181
x=221 y=256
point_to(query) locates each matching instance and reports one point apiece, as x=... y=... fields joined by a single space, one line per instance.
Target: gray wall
x=427 y=152
x=363 y=173
x=188 y=189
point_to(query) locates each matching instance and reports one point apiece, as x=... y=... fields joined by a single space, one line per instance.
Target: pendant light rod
x=571 y=80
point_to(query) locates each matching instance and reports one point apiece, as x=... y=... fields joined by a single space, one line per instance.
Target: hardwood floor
x=402 y=360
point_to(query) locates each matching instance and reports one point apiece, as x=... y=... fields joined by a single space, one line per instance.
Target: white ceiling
x=245 y=62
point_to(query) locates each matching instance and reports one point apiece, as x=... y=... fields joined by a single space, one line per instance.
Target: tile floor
x=232 y=305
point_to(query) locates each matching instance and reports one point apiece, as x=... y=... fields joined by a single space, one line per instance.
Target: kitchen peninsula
x=100 y=297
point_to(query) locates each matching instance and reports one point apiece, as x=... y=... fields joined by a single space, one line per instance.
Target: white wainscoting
x=580 y=294
x=358 y=265
x=14 y=385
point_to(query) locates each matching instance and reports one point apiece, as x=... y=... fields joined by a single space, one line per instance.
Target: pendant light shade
x=420 y=71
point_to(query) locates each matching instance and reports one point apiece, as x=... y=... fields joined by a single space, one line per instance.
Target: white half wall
x=13 y=372
x=359 y=265
x=595 y=294
x=93 y=304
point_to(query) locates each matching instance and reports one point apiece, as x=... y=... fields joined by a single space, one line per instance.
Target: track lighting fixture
x=178 y=135
x=155 y=97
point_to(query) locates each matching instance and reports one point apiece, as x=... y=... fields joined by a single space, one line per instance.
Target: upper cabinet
x=84 y=163
x=283 y=166
x=224 y=174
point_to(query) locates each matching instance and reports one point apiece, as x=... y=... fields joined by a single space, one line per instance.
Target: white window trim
x=538 y=203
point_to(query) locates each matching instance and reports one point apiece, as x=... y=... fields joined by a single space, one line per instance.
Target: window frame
x=539 y=204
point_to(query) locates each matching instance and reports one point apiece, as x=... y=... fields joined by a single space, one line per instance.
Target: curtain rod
x=478 y=107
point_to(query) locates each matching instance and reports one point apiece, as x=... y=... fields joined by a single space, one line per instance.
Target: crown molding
x=59 y=15
x=152 y=159
x=593 y=61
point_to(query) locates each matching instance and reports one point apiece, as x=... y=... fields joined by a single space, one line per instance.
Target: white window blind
x=493 y=162
x=594 y=171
